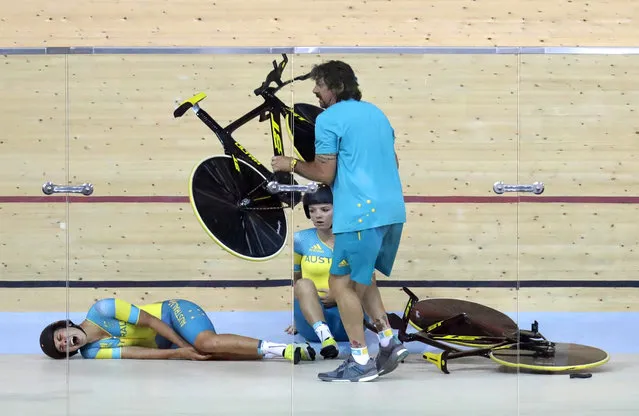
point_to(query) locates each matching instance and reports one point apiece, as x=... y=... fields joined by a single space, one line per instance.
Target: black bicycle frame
x=434 y=340
x=273 y=107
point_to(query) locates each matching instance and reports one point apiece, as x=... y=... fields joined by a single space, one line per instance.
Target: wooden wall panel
x=155 y=242
x=33 y=242
x=319 y=22
x=33 y=140
x=279 y=299
x=579 y=131
x=452 y=242
x=592 y=242
x=81 y=299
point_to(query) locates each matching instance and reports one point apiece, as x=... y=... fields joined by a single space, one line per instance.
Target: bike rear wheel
x=230 y=200
x=566 y=357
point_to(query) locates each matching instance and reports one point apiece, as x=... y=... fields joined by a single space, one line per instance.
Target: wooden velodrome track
x=463 y=123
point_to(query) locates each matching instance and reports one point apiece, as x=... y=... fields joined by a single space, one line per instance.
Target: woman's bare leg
x=239 y=347
x=306 y=294
x=227 y=345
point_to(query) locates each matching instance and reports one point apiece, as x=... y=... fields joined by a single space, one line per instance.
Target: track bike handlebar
x=276 y=76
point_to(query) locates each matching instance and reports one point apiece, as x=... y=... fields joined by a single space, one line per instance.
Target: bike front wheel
x=566 y=357
x=230 y=200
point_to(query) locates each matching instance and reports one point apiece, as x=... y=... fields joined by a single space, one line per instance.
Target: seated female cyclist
x=316 y=315
x=172 y=329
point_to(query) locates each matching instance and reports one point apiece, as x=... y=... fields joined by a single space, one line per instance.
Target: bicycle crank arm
x=276 y=187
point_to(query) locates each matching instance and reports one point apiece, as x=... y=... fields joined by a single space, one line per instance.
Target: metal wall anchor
x=275 y=187
x=84 y=189
x=536 y=188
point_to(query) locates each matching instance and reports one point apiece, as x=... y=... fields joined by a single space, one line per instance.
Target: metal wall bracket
x=536 y=188
x=276 y=187
x=84 y=189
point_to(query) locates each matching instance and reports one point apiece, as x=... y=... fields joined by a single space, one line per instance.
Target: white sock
x=271 y=349
x=385 y=337
x=360 y=355
x=322 y=331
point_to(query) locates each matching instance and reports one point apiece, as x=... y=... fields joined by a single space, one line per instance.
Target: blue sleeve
x=326 y=135
x=97 y=353
x=117 y=309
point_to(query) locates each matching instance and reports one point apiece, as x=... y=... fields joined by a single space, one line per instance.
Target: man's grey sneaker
x=349 y=370
x=389 y=357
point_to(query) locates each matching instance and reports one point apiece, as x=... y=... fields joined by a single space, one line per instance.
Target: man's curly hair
x=339 y=78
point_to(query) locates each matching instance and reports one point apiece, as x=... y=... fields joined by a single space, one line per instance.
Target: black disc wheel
x=230 y=201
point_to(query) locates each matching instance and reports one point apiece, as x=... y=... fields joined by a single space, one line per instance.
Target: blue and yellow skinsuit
x=119 y=319
x=313 y=258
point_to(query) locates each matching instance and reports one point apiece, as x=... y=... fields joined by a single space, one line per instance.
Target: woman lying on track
x=172 y=329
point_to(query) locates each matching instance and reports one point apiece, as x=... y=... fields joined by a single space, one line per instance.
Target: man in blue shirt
x=355 y=154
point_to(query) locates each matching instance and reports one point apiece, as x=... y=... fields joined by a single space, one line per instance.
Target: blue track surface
x=611 y=331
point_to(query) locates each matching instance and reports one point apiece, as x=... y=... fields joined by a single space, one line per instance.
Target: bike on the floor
x=237 y=200
x=448 y=324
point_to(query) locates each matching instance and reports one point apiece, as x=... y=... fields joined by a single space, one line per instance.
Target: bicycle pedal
x=439 y=359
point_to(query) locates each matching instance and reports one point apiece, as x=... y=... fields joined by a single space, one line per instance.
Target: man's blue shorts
x=359 y=253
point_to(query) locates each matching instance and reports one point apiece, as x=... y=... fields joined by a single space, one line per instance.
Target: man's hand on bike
x=281 y=163
x=325 y=297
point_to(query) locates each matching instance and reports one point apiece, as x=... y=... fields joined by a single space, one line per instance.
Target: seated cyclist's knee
x=305 y=287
